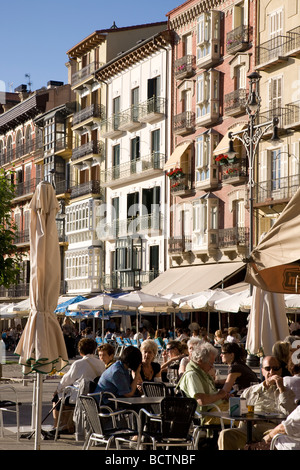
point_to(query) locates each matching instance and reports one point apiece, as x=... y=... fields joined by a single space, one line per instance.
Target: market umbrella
x=274 y=264
x=267 y=323
x=41 y=347
x=136 y=300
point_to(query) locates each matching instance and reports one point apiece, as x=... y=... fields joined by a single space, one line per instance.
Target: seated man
x=117 y=378
x=269 y=396
x=89 y=367
x=196 y=382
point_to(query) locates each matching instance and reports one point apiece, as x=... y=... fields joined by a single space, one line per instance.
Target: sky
x=35 y=35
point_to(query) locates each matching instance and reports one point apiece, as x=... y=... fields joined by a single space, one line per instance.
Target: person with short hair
x=106 y=353
x=270 y=396
x=117 y=378
x=197 y=383
x=150 y=370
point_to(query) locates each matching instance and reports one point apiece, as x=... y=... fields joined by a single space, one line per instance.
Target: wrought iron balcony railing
x=228 y=237
x=237 y=39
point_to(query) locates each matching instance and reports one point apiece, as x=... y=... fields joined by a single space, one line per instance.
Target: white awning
x=191 y=279
x=174 y=160
x=223 y=145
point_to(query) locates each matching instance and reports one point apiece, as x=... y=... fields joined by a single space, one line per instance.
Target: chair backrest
x=177 y=415
x=154 y=389
x=119 y=341
x=134 y=342
x=90 y=408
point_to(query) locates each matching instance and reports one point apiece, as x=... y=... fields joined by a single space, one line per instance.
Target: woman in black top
x=150 y=370
x=240 y=376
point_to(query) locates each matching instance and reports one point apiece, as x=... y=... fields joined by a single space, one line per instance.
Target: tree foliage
x=9 y=256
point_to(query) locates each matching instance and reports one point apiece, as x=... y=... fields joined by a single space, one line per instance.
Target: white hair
x=202 y=352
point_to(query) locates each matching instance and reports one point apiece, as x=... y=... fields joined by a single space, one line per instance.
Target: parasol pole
x=38 y=427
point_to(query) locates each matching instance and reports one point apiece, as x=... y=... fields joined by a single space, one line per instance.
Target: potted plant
x=222 y=159
x=175 y=174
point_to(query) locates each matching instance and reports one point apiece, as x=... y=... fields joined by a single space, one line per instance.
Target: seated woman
x=240 y=376
x=117 y=378
x=172 y=356
x=150 y=370
x=106 y=353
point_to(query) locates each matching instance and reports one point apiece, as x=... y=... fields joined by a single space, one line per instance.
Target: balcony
x=22 y=237
x=90 y=150
x=152 y=110
x=128 y=280
x=181 y=186
x=237 y=40
x=284 y=114
x=9 y=155
x=178 y=245
x=272 y=52
x=235 y=174
x=15 y=292
x=150 y=225
x=90 y=187
x=293 y=43
x=233 y=237
x=208 y=112
x=184 y=123
x=235 y=102
x=110 y=128
x=184 y=67
x=90 y=113
x=151 y=165
x=293 y=115
x=276 y=190
x=85 y=73
x=26 y=188
x=129 y=119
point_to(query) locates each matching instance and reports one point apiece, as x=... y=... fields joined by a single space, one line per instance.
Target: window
x=116 y=161
x=202 y=158
x=49 y=135
x=208 y=96
x=135 y=97
x=275 y=23
x=275 y=93
x=275 y=169
x=208 y=36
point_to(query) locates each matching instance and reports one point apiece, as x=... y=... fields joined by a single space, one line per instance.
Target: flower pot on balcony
x=232 y=160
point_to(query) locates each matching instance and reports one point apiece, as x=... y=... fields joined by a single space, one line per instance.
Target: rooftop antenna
x=27 y=75
x=10 y=86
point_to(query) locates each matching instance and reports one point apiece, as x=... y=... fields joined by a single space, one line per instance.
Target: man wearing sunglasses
x=269 y=396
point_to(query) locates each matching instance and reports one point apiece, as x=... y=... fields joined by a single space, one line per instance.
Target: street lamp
x=251 y=137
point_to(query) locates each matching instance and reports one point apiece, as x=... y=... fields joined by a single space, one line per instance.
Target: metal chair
x=175 y=419
x=154 y=389
x=292 y=440
x=67 y=392
x=107 y=426
x=9 y=406
x=120 y=346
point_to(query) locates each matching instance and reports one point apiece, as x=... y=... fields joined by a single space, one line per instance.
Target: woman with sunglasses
x=240 y=376
x=172 y=356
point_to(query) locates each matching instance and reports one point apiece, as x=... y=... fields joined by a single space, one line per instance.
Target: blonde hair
x=149 y=344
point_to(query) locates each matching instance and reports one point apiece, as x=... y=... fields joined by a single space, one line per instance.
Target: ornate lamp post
x=251 y=137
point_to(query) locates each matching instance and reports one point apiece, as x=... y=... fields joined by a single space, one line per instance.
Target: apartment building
x=31 y=151
x=134 y=219
x=277 y=62
x=85 y=263
x=213 y=54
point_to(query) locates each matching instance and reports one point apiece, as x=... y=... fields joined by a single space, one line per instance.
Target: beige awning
x=191 y=279
x=223 y=145
x=174 y=159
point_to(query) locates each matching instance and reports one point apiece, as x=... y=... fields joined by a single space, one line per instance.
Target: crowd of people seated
x=189 y=356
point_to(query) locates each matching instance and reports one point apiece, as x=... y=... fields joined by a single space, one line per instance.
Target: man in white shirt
x=88 y=367
x=289 y=431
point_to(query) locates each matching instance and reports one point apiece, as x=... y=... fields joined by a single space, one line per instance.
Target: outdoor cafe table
x=248 y=419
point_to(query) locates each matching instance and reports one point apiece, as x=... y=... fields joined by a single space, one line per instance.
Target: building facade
x=134 y=222
x=277 y=62
x=85 y=259
x=30 y=152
